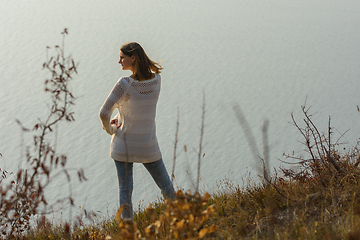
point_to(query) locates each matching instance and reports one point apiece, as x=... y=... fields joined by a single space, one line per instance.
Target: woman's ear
x=133 y=58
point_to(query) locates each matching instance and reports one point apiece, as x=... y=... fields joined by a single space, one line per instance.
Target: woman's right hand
x=115 y=122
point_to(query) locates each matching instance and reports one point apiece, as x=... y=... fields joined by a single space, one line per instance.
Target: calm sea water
x=268 y=56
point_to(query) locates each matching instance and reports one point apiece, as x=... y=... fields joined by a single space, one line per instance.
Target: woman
x=133 y=129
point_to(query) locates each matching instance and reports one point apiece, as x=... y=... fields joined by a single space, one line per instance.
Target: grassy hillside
x=315 y=202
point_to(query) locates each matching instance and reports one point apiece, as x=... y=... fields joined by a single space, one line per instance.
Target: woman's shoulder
x=125 y=80
x=128 y=78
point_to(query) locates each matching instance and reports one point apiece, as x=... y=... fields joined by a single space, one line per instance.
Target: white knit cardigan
x=135 y=140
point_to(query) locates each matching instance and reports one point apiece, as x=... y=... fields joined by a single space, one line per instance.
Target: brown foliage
x=183 y=218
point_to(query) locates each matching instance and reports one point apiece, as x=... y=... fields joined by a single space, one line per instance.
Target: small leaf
x=63 y=160
x=176 y=234
x=206 y=197
x=180 y=225
x=36 y=127
x=203 y=232
x=150 y=230
x=19 y=175
x=212 y=228
x=157 y=224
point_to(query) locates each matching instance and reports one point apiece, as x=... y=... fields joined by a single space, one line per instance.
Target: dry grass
x=318 y=197
x=311 y=208
x=292 y=209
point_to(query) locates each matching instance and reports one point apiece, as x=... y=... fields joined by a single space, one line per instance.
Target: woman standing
x=133 y=129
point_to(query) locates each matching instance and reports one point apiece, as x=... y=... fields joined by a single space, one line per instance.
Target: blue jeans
x=125 y=175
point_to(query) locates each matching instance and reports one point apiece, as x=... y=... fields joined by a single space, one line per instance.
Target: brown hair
x=144 y=66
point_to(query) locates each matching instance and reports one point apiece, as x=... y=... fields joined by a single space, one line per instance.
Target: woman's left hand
x=115 y=122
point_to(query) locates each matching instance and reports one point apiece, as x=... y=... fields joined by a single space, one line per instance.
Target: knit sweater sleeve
x=112 y=102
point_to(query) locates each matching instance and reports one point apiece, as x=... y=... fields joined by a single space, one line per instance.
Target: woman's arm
x=111 y=103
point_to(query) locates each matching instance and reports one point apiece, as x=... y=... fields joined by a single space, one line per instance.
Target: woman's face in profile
x=126 y=61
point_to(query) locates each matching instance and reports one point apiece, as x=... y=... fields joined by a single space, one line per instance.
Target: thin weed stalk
x=200 y=154
x=175 y=146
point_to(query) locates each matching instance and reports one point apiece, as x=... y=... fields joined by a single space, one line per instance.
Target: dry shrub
x=322 y=188
x=183 y=218
x=23 y=195
x=325 y=163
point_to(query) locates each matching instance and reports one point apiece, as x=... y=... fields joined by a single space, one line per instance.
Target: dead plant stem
x=201 y=143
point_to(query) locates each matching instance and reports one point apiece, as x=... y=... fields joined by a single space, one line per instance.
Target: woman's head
x=141 y=65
